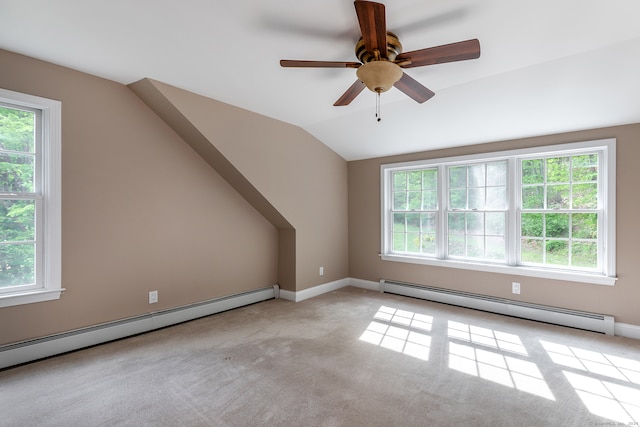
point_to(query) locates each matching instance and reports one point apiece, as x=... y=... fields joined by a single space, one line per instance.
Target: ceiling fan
x=381 y=58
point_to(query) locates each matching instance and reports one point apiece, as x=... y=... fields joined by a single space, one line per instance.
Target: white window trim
x=608 y=183
x=51 y=286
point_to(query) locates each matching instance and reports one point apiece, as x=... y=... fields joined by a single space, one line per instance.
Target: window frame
x=47 y=196
x=607 y=196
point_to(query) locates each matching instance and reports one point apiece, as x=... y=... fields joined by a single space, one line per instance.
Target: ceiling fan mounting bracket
x=394 y=48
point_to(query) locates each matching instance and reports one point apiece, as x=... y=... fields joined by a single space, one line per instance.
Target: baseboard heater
x=28 y=351
x=576 y=319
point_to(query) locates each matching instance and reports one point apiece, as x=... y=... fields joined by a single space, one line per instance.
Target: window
x=29 y=199
x=542 y=212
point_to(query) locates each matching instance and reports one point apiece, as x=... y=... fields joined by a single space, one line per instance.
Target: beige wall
x=620 y=300
x=298 y=176
x=141 y=211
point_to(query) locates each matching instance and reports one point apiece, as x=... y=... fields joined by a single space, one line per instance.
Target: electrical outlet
x=153 y=297
x=322 y=271
x=515 y=287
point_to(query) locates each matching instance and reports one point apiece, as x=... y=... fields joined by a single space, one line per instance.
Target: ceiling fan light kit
x=381 y=58
x=379 y=76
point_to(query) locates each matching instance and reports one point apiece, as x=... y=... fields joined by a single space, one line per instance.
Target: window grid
x=20 y=198
x=476 y=218
x=567 y=212
x=414 y=211
x=584 y=199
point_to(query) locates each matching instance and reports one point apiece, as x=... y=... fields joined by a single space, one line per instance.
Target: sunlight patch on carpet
x=501 y=369
x=606 y=384
x=400 y=331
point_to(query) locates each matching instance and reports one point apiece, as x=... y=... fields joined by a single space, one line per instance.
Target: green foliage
x=560 y=238
x=17 y=217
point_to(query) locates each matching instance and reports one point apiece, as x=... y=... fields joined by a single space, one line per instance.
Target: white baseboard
x=314 y=291
x=365 y=284
x=28 y=351
x=627 y=330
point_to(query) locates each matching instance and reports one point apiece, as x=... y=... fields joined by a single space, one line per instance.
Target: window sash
x=46 y=199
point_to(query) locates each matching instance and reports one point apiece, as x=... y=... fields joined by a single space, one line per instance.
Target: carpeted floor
x=348 y=358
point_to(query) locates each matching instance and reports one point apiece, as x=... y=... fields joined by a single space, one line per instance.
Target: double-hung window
x=29 y=199
x=542 y=212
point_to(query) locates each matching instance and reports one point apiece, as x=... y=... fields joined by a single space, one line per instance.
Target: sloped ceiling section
x=291 y=178
x=152 y=95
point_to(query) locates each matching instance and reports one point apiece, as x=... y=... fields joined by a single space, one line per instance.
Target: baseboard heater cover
x=573 y=318
x=28 y=351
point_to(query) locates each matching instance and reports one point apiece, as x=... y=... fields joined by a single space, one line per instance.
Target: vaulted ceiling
x=545 y=67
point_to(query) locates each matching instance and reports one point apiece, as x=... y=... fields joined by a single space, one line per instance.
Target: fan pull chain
x=378 y=116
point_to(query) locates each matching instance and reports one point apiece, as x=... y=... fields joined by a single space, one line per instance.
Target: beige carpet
x=347 y=358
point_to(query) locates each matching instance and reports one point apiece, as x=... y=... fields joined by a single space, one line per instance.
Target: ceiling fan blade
x=460 y=51
x=413 y=89
x=373 y=26
x=350 y=94
x=318 y=64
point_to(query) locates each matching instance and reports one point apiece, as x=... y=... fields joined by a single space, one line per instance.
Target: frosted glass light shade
x=379 y=76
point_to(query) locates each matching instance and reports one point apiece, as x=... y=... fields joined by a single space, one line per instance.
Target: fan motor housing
x=394 y=48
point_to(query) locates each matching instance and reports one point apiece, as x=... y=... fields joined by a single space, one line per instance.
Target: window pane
x=585 y=168
x=558 y=196
x=398 y=222
x=413 y=222
x=415 y=200
x=496 y=247
x=16 y=173
x=531 y=225
x=456 y=245
x=429 y=244
x=533 y=171
x=476 y=198
x=429 y=200
x=399 y=244
x=557 y=252
x=531 y=251
x=496 y=197
x=558 y=169
x=584 y=254
x=533 y=197
x=458 y=177
x=430 y=179
x=17 y=220
x=475 y=223
x=399 y=181
x=475 y=246
x=456 y=223
x=476 y=176
x=415 y=180
x=585 y=196
x=413 y=242
x=556 y=225
x=584 y=226
x=428 y=222
x=400 y=201
x=17 y=262
x=17 y=130
x=497 y=173
x=495 y=223
x=458 y=199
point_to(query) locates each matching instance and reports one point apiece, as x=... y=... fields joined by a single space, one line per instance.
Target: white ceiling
x=546 y=66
